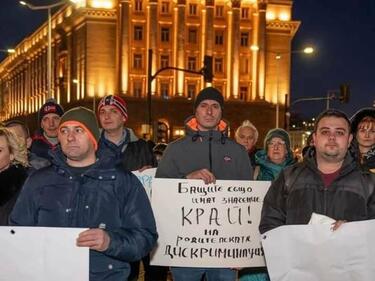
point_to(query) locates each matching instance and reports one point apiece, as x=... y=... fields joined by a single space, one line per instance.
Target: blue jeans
x=196 y=274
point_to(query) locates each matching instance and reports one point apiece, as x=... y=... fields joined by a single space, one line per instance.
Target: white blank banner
x=315 y=253
x=42 y=254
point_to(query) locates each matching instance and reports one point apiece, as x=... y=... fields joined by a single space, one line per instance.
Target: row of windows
x=165 y=8
x=165 y=89
x=192 y=35
x=192 y=63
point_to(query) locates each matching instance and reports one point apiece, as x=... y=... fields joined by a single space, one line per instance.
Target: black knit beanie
x=51 y=106
x=86 y=118
x=209 y=93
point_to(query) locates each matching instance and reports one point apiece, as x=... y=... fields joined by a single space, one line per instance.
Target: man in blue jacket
x=79 y=190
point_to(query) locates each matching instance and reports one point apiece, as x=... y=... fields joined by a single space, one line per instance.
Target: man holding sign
x=80 y=190
x=205 y=153
x=329 y=181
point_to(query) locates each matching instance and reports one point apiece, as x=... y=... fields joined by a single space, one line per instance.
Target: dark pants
x=152 y=272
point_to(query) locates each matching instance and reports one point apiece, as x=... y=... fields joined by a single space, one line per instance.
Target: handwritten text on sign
x=213 y=225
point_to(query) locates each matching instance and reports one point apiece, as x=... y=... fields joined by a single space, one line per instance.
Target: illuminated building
x=101 y=47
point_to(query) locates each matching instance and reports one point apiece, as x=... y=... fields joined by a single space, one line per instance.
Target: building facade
x=102 y=47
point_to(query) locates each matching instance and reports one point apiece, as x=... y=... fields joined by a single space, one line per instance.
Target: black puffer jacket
x=11 y=181
x=299 y=191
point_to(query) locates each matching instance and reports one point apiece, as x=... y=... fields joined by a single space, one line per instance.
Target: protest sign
x=42 y=254
x=316 y=253
x=146 y=177
x=214 y=225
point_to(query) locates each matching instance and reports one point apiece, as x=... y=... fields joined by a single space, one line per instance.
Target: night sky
x=341 y=31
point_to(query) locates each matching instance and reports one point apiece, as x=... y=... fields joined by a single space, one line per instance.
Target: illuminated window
x=192 y=35
x=164 y=7
x=244 y=66
x=218 y=65
x=191 y=88
x=137 y=89
x=164 y=34
x=244 y=13
x=243 y=92
x=192 y=9
x=137 y=61
x=244 y=39
x=138 y=6
x=164 y=61
x=219 y=11
x=192 y=63
x=164 y=90
x=138 y=33
x=219 y=37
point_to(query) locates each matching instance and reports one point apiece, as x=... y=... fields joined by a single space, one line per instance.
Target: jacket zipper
x=209 y=150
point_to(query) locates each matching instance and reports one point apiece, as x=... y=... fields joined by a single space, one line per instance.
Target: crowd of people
x=71 y=173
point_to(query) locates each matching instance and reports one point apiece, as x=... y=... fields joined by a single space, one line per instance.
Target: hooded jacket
x=54 y=197
x=211 y=150
x=299 y=191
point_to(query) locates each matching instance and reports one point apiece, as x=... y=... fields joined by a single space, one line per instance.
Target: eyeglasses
x=276 y=143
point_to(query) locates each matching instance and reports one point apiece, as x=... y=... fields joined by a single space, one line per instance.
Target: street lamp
x=278 y=55
x=8 y=51
x=49 y=44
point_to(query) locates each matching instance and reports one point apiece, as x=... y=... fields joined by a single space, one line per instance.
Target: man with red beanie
x=122 y=145
x=46 y=138
x=80 y=190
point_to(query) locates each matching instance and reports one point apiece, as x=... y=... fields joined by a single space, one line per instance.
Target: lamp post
x=49 y=42
x=278 y=57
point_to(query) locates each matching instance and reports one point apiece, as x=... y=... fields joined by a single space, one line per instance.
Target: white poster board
x=146 y=177
x=315 y=253
x=42 y=254
x=213 y=225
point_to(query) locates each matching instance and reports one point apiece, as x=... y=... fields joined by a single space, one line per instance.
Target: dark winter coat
x=55 y=197
x=133 y=154
x=41 y=146
x=211 y=150
x=299 y=191
x=11 y=181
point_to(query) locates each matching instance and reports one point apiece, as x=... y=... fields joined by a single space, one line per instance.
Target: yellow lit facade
x=101 y=47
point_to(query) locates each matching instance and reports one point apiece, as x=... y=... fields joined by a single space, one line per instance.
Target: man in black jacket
x=328 y=181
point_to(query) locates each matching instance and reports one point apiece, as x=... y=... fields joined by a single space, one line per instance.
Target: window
x=164 y=90
x=192 y=9
x=191 y=63
x=244 y=39
x=137 y=88
x=244 y=13
x=244 y=66
x=243 y=92
x=164 y=7
x=191 y=91
x=138 y=6
x=164 y=34
x=192 y=35
x=219 y=37
x=219 y=11
x=164 y=61
x=137 y=61
x=138 y=33
x=218 y=65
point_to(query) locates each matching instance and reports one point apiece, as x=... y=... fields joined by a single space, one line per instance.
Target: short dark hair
x=13 y=123
x=331 y=113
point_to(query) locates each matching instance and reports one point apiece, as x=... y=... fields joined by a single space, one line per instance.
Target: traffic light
x=207 y=69
x=344 y=93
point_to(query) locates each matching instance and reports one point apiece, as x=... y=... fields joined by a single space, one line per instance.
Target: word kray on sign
x=215 y=216
x=202 y=253
x=185 y=187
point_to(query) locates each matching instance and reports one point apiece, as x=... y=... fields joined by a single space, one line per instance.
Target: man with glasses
x=328 y=181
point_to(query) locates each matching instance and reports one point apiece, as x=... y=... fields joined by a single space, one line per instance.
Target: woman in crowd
x=275 y=156
x=13 y=165
x=363 y=144
x=247 y=135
